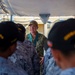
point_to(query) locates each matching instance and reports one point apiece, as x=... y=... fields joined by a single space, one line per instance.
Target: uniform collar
x=2 y=59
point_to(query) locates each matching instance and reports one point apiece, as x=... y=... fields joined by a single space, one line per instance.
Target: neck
x=4 y=56
x=34 y=34
x=69 y=62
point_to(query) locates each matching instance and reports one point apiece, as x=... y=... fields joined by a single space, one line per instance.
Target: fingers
x=41 y=61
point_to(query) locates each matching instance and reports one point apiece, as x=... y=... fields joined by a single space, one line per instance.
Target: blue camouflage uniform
x=26 y=57
x=70 y=71
x=8 y=68
x=50 y=67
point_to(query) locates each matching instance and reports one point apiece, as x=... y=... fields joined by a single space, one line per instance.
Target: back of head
x=22 y=32
x=62 y=36
x=8 y=35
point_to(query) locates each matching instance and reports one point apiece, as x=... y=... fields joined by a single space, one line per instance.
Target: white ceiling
x=36 y=7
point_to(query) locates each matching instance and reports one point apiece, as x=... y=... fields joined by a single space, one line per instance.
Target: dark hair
x=22 y=31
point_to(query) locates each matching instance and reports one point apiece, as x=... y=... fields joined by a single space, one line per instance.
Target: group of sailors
x=22 y=54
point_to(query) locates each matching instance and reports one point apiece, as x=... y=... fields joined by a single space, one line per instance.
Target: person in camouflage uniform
x=37 y=39
x=8 y=39
x=26 y=55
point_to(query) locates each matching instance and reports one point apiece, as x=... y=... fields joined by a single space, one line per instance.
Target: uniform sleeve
x=45 y=43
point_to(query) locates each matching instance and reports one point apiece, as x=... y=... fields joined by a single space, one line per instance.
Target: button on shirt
x=8 y=68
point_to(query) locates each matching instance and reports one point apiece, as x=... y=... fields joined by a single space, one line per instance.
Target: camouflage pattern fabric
x=8 y=68
x=50 y=66
x=39 y=44
x=26 y=57
x=70 y=71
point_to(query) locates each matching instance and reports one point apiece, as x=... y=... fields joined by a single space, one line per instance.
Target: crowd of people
x=22 y=54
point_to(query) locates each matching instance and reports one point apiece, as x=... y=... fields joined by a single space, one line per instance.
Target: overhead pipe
x=9 y=7
x=3 y=7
